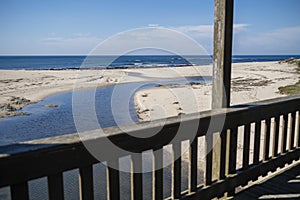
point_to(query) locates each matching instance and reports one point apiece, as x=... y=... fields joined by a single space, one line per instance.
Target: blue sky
x=77 y=26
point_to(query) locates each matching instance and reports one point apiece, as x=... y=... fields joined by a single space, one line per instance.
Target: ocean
x=76 y=62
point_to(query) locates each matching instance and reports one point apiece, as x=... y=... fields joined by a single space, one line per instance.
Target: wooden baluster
x=232 y=151
x=56 y=187
x=176 y=172
x=193 y=172
x=113 y=180
x=209 y=155
x=232 y=155
x=223 y=154
x=86 y=184
x=298 y=129
x=293 y=124
x=257 y=142
x=157 y=175
x=276 y=135
x=246 y=146
x=267 y=139
x=19 y=191
x=284 y=136
x=136 y=177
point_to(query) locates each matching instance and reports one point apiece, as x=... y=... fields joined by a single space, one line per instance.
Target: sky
x=65 y=27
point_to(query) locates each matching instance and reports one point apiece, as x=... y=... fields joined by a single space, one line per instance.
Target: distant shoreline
x=61 y=62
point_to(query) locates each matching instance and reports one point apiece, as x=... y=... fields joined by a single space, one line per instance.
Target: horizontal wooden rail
x=50 y=157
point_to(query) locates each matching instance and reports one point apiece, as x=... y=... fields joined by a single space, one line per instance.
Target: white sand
x=250 y=82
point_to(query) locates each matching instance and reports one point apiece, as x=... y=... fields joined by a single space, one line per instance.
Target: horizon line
x=145 y=55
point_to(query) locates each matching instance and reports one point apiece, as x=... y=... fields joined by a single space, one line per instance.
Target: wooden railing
x=274 y=124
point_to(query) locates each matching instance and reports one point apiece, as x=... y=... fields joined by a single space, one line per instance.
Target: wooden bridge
x=274 y=125
x=268 y=120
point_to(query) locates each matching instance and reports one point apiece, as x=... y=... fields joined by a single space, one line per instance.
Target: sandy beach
x=250 y=82
x=19 y=88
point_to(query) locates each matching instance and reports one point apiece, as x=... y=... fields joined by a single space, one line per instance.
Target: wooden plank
x=113 y=180
x=136 y=177
x=278 y=185
x=232 y=156
x=222 y=55
x=176 y=171
x=285 y=132
x=246 y=146
x=298 y=128
x=257 y=142
x=157 y=188
x=292 y=132
x=232 y=151
x=19 y=191
x=193 y=172
x=276 y=128
x=223 y=155
x=86 y=184
x=267 y=139
x=42 y=157
x=216 y=151
x=209 y=157
x=56 y=187
x=234 y=181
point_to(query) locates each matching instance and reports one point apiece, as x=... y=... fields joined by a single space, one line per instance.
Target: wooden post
x=223 y=27
x=222 y=55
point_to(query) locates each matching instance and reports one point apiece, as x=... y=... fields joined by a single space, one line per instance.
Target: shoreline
x=31 y=86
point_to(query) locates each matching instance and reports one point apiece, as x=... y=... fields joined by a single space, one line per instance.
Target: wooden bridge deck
x=282 y=185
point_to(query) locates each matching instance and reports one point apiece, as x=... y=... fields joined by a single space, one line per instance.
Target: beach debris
x=171 y=85
x=7 y=107
x=19 y=100
x=13 y=114
x=176 y=102
x=181 y=113
x=194 y=83
x=144 y=95
x=111 y=79
x=246 y=84
x=12 y=105
x=95 y=79
x=292 y=61
x=144 y=110
x=15 y=103
x=286 y=60
x=51 y=105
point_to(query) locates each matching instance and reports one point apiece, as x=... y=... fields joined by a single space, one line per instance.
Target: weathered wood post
x=223 y=28
x=222 y=56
